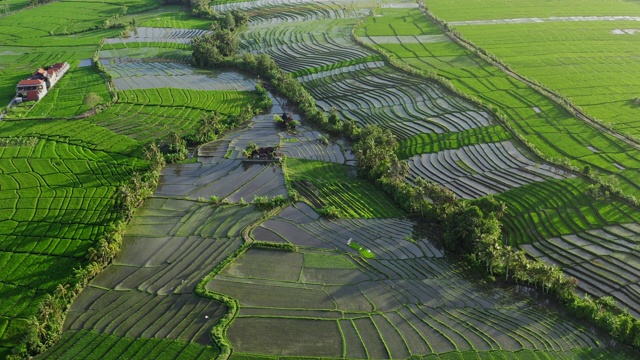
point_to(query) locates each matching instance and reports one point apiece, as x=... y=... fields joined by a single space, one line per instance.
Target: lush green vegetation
x=90 y=344
x=150 y=114
x=590 y=67
x=434 y=142
x=545 y=125
x=384 y=293
x=66 y=99
x=57 y=196
x=559 y=207
x=226 y=102
x=325 y=184
x=496 y=9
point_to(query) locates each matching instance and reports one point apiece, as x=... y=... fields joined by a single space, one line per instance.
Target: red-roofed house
x=31 y=89
x=38 y=84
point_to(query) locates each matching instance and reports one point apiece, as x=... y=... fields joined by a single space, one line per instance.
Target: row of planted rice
x=478 y=170
x=604 y=260
x=84 y=344
x=390 y=99
x=147 y=34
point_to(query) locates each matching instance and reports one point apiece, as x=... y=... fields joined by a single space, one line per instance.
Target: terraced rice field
x=56 y=196
x=552 y=130
x=87 y=344
x=156 y=287
x=147 y=34
x=308 y=144
x=370 y=285
x=541 y=210
x=405 y=301
x=328 y=184
x=368 y=91
x=478 y=170
x=605 y=260
x=150 y=114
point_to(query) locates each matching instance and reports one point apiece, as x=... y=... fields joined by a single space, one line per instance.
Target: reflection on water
x=246 y=165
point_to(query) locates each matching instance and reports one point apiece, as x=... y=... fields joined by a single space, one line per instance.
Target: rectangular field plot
x=286 y=337
x=147 y=34
x=144 y=75
x=231 y=179
x=254 y=294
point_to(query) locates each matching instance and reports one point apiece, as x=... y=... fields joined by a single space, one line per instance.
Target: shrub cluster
x=266 y=203
x=274 y=246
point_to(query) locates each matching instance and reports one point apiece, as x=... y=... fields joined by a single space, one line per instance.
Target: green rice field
x=327 y=184
x=233 y=256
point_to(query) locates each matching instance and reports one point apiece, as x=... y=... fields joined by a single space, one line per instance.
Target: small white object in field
x=206 y=316
x=349 y=241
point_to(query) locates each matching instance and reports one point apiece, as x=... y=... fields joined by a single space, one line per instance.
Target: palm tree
x=508 y=257
x=44 y=307
x=62 y=291
x=520 y=266
x=91 y=254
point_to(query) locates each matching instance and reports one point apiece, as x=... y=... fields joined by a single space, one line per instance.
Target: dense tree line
x=470 y=229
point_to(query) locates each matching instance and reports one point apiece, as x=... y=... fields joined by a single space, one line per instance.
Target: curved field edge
x=323 y=184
